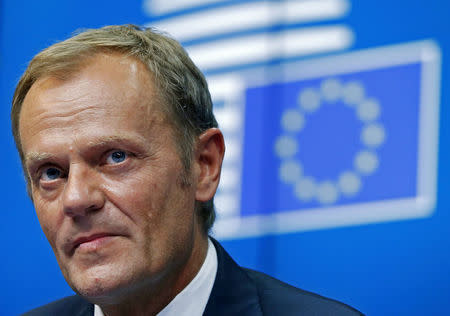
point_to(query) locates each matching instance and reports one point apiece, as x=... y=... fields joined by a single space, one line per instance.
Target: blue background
x=331 y=138
x=396 y=268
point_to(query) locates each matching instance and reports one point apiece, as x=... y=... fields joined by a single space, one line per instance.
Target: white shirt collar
x=200 y=287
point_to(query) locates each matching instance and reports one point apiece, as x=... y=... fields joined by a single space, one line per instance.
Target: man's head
x=119 y=147
x=181 y=86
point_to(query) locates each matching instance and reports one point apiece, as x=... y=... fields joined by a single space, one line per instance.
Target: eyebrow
x=36 y=157
x=134 y=140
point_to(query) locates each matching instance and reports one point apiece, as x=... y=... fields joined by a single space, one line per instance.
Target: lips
x=92 y=241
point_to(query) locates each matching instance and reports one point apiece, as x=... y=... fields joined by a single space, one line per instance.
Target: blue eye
x=116 y=156
x=50 y=174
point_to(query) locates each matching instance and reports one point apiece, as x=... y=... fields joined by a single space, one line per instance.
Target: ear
x=208 y=157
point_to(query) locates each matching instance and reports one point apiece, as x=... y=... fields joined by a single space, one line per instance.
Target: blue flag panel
x=331 y=150
x=336 y=141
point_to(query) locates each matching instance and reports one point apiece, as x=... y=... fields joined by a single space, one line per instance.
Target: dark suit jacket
x=236 y=291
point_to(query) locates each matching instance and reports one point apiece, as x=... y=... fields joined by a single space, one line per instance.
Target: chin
x=99 y=285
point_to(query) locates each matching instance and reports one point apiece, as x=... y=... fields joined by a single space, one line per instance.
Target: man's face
x=106 y=179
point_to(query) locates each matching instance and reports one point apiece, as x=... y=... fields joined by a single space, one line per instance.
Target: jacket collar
x=233 y=293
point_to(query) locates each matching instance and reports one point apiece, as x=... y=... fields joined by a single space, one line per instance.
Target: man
x=122 y=157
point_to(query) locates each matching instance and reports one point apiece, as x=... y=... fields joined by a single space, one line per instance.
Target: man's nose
x=82 y=192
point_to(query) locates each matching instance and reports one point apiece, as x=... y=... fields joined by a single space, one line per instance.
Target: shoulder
x=72 y=305
x=284 y=299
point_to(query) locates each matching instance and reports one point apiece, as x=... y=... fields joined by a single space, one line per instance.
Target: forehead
x=128 y=76
x=108 y=85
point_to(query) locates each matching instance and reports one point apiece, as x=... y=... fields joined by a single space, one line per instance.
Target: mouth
x=92 y=242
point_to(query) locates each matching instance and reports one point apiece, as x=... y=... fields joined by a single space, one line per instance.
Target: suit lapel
x=233 y=292
x=85 y=310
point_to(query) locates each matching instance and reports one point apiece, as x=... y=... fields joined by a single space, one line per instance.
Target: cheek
x=140 y=191
x=158 y=204
x=49 y=218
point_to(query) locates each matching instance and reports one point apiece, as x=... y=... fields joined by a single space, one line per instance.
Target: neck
x=150 y=299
